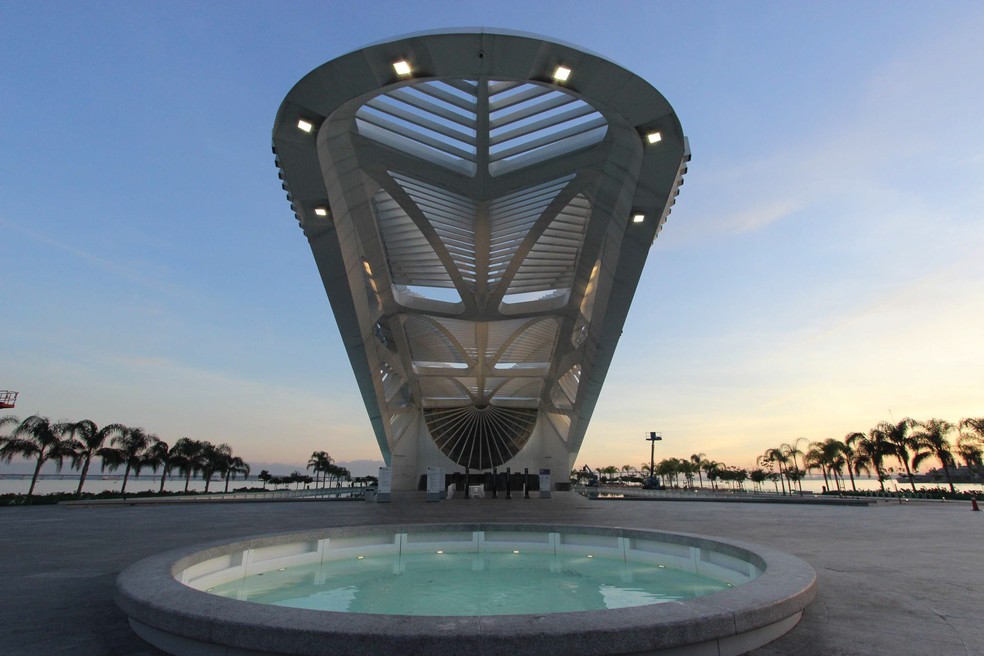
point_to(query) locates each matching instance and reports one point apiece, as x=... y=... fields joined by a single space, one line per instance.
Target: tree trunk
x=187 y=480
x=227 y=484
x=909 y=474
x=946 y=470
x=85 y=472
x=126 y=475
x=850 y=472
x=208 y=481
x=34 y=479
x=163 y=478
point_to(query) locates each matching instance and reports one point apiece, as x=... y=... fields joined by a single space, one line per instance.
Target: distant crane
x=651 y=483
x=8 y=399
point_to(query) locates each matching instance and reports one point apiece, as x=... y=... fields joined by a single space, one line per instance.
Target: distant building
x=480 y=206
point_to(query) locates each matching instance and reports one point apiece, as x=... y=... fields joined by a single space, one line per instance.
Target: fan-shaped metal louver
x=480 y=437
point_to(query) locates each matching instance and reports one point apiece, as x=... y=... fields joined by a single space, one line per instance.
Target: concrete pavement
x=893 y=579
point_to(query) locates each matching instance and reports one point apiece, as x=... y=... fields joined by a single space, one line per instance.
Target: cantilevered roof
x=480 y=205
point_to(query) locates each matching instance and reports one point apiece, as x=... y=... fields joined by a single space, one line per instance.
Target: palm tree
x=668 y=469
x=829 y=457
x=738 y=476
x=758 y=477
x=897 y=435
x=36 y=437
x=856 y=461
x=971 y=450
x=871 y=451
x=709 y=467
x=716 y=472
x=974 y=424
x=931 y=441
x=971 y=445
x=213 y=460
x=609 y=471
x=698 y=459
x=128 y=450
x=91 y=439
x=815 y=458
x=330 y=470
x=264 y=476
x=793 y=450
x=235 y=465
x=297 y=478
x=837 y=451
x=166 y=457
x=188 y=458
x=682 y=467
x=319 y=462
x=778 y=456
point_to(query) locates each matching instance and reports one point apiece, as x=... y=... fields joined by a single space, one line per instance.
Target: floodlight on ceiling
x=402 y=67
x=321 y=211
x=561 y=74
x=304 y=126
x=638 y=218
x=654 y=137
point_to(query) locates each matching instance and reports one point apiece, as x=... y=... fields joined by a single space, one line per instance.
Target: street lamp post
x=653 y=438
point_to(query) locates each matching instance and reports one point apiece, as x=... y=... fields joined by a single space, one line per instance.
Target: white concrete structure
x=480 y=206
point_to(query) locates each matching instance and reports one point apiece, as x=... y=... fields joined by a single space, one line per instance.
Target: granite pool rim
x=177 y=618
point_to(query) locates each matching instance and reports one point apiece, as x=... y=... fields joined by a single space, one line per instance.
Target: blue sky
x=821 y=271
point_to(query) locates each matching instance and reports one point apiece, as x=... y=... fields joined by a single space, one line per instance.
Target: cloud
x=131 y=274
x=756 y=217
x=887 y=143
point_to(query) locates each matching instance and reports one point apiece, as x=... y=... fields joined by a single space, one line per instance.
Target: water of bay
x=95 y=484
x=815 y=484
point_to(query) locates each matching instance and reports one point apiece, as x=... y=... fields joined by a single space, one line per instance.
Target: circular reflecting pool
x=447 y=579
x=390 y=589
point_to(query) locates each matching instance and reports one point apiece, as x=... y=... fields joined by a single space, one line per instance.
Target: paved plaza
x=893 y=579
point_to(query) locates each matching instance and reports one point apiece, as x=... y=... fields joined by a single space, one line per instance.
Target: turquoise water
x=470 y=584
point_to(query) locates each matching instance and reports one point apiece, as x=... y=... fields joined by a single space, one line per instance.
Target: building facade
x=480 y=206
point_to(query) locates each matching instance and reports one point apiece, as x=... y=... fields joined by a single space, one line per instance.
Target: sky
x=821 y=272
